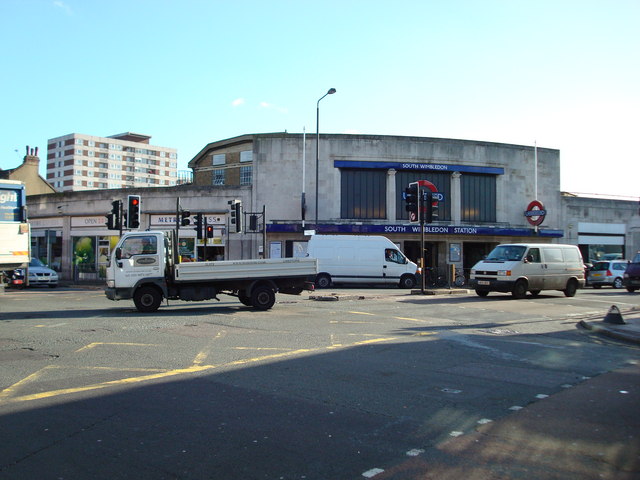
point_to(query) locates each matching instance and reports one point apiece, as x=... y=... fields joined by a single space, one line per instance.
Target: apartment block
x=127 y=160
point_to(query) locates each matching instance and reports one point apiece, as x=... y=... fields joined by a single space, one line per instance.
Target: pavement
x=589 y=431
x=619 y=324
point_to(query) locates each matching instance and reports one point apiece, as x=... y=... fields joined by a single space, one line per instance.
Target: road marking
x=364 y=313
x=9 y=390
x=50 y=326
x=113 y=383
x=372 y=473
x=98 y=344
x=4 y=394
x=411 y=319
x=415 y=452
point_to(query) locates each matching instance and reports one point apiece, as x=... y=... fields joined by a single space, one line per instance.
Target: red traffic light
x=209 y=231
x=135 y=201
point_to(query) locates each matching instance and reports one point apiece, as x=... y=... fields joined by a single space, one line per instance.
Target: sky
x=561 y=74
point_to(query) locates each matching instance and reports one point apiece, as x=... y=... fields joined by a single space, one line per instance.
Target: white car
x=41 y=275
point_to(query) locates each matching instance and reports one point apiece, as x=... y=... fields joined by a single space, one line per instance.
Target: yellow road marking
x=98 y=386
x=363 y=313
x=350 y=322
x=410 y=319
x=260 y=348
x=4 y=394
x=98 y=344
x=9 y=390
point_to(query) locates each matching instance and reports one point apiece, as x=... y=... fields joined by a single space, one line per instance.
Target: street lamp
x=330 y=92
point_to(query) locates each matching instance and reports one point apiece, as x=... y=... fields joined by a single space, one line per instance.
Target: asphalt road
x=313 y=389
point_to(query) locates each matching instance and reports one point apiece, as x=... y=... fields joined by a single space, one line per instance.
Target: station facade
x=490 y=193
x=485 y=189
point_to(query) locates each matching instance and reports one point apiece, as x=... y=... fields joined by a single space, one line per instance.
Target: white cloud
x=237 y=102
x=63 y=6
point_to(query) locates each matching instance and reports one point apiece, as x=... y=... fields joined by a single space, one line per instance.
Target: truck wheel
x=323 y=280
x=263 y=298
x=482 y=293
x=244 y=298
x=407 y=281
x=519 y=289
x=571 y=289
x=147 y=299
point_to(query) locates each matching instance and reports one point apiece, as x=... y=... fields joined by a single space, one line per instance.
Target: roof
x=132 y=137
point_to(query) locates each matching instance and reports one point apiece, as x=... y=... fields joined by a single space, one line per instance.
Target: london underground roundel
x=535 y=213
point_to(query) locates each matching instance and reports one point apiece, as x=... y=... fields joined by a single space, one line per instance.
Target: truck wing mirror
x=118 y=253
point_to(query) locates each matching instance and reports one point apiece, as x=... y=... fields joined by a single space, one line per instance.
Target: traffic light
x=209 y=231
x=113 y=219
x=412 y=202
x=235 y=215
x=199 y=223
x=431 y=207
x=253 y=223
x=184 y=217
x=133 y=211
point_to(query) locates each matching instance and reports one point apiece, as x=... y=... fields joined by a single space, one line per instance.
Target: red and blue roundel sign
x=535 y=213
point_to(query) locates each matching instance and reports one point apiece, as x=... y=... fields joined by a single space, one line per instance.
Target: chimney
x=31 y=158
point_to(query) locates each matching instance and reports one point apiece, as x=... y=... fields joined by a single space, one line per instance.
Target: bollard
x=613 y=316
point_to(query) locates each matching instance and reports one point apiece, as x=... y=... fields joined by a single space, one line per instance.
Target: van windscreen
x=503 y=253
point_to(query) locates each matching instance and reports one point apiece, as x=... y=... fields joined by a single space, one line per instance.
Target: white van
x=360 y=259
x=529 y=267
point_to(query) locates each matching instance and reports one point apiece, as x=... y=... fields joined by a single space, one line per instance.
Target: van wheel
x=407 y=281
x=323 y=280
x=571 y=289
x=617 y=283
x=263 y=298
x=147 y=299
x=520 y=289
x=482 y=293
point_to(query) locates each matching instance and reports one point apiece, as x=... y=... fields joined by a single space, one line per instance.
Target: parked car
x=608 y=273
x=41 y=275
x=631 y=278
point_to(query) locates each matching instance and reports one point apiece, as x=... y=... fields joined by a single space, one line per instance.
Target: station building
x=490 y=193
x=485 y=189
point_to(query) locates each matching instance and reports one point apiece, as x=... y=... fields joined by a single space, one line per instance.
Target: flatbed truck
x=145 y=267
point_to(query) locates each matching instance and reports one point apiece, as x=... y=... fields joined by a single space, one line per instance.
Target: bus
x=15 y=234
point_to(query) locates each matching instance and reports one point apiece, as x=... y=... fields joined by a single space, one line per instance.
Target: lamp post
x=330 y=92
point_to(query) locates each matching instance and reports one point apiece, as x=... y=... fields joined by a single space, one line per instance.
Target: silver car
x=41 y=275
x=609 y=273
